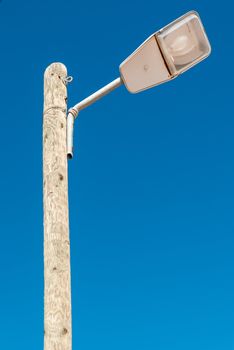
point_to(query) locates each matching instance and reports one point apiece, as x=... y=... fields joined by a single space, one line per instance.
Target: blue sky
x=151 y=184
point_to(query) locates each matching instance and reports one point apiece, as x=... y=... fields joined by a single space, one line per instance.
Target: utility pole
x=57 y=285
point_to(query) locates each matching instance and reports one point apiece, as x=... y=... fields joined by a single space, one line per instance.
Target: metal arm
x=73 y=112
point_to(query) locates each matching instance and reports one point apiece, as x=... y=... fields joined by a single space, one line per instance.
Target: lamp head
x=166 y=54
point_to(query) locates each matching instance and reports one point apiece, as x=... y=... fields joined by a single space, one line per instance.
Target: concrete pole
x=57 y=285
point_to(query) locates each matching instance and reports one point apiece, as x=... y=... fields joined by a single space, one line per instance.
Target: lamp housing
x=166 y=54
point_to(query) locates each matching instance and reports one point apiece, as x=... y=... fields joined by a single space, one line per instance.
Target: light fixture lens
x=184 y=43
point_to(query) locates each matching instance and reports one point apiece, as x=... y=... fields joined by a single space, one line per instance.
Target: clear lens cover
x=183 y=43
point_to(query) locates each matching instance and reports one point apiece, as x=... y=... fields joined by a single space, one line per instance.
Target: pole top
x=55 y=90
x=56 y=68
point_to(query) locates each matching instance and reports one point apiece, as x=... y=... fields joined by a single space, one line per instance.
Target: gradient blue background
x=151 y=185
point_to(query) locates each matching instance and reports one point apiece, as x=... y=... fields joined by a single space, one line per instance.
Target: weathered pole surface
x=57 y=285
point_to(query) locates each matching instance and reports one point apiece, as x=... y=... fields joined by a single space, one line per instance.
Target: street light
x=162 y=57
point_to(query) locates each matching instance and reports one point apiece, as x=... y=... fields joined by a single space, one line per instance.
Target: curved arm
x=97 y=95
x=73 y=112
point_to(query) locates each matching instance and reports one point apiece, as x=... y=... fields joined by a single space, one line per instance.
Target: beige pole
x=57 y=285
